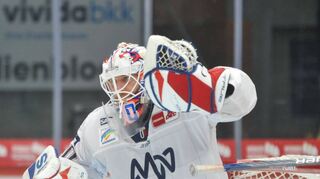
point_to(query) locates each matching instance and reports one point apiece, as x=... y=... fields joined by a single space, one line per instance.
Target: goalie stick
x=280 y=163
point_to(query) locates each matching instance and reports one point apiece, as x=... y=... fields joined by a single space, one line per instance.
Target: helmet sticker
x=130 y=113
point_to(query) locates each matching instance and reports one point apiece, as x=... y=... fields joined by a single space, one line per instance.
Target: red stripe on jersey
x=160 y=82
x=215 y=74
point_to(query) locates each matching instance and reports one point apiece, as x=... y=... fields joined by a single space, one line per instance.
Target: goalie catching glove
x=176 y=81
x=49 y=165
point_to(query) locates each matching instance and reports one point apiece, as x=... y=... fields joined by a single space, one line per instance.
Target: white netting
x=294 y=174
x=271 y=175
x=181 y=55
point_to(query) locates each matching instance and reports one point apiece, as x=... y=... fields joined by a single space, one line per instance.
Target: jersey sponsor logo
x=103 y=121
x=137 y=172
x=163 y=117
x=107 y=136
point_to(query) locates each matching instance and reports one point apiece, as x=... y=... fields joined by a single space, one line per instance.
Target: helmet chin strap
x=144 y=99
x=120 y=109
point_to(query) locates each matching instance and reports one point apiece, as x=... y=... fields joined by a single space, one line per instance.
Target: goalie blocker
x=232 y=93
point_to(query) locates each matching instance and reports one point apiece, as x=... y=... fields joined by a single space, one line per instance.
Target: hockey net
x=311 y=172
x=271 y=175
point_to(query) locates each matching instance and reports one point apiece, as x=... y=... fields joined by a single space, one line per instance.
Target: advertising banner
x=91 y=30
x=22 y=152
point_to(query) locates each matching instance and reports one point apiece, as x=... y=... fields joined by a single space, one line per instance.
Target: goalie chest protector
x=173 y=144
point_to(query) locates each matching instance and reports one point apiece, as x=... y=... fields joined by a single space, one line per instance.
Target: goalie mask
x=122 y=80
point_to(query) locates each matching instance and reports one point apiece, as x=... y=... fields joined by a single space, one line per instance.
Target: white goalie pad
x=49 y=165
x=48 y=161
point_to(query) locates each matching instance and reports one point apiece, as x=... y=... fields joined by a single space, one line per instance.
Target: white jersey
x=174 y=142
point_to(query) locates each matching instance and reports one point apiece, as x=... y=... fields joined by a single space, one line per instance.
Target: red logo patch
x=162 y=118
